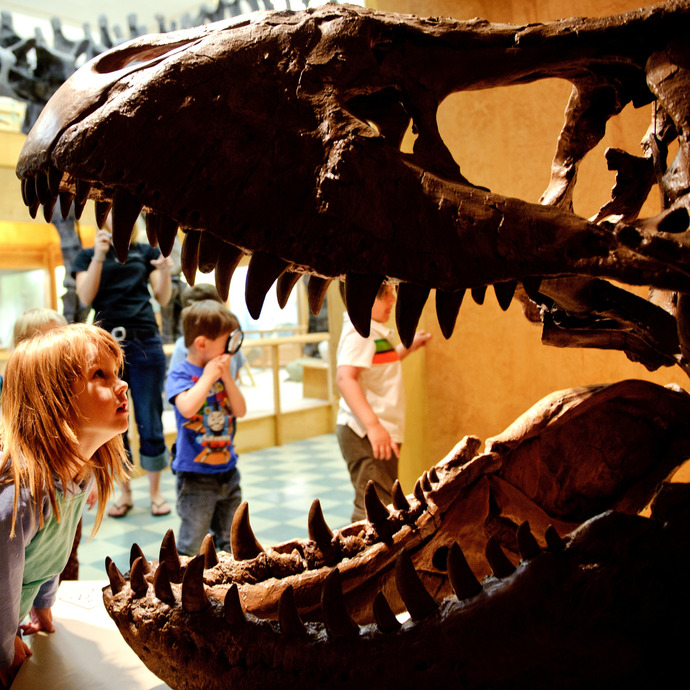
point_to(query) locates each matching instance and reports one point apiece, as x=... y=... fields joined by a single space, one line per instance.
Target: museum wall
x=494 y=367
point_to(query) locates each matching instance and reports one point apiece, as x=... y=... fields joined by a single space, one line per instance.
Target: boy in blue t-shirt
x=206 y=400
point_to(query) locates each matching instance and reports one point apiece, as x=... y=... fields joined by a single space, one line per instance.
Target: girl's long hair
x=39 y=423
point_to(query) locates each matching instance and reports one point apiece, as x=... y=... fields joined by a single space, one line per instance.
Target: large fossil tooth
x=151 y=222
x=190 y=255
x=499 y=562
x=433 y=475
x=33 y=209
x=553 y=539
x=136 y=552
x=527 y=544
x=194 y=598
x=208 y=551
x=408 y=310
x=232 y=607
x=126 y=210
x=531 y=286
x=360 y=293
x=48 y=208
x=42 y=191
x=400 y=501
x=377 y=513
x=284 y=285
x=82 y=194
x=264 y=269
x=462 y=579
x=244 y=543
x=164 y=230
x=478 y=294
x=504 y=293
x=288 y=615
x=66 y=199
x=319 y=531
x=137 y=581
x=418 y=492
x=228 y=259
x=338 y=621
x=170 y=557
x=28 y=190
x=417 y=600
x=447 y=308
x=384 y=616
x=426 y=482
x=117 y=581
x=102 y=209
x=161 y=584
x=316 y=292
x=54 y=179
x=209 y=249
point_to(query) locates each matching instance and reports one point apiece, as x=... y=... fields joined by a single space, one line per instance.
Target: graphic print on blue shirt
x=212 y=425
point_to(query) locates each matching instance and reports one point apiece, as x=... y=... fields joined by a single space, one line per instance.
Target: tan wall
x=494 y=366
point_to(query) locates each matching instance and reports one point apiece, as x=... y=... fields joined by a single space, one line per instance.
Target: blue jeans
x=144 y=371
x=206 y=503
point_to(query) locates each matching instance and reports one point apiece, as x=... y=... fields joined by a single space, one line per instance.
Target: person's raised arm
x=347 y=380
x=160 y=280
x=89 y=281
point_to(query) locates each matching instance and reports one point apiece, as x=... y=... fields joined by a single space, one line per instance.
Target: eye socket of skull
x=129 y=56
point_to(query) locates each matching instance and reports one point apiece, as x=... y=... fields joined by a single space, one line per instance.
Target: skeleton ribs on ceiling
x=278 y=135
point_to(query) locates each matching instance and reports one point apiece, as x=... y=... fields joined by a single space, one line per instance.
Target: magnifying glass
x=234 y=341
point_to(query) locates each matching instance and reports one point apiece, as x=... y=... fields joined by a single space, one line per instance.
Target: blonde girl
x=64 y=409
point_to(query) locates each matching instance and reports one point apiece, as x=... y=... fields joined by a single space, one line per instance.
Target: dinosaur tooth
x=194 y=598
x=117 y=581
x=400 y=501
x=151 y=222
x=419 y=493
x=42 y=191
x=54 y=179
x=126 y=210
x=408 y=310
x=553 y=539
x=377 y=513
x=66 y=199
x=426 y=483
x=102 y=209
x=137 y=581
x=33 y=209
x=264 y=269
x=478 y=294
x=81 y=195
x=232 y=607
x=360 y=293
x=417 y=600
x=284 y=285
x=504 y=293
x=433 y=475
x=316 y=292
x=531 y=286
x=161 y=584
x=499 y=562
x=527 y=544
x=169 y=556
x=208 y=551
x=228 y=260
x=447 y=308
x=27 y=183
x=136 y=552
x=288 y=615
x=190 y=255
x=166 y=232
x=337 y=620
x=319 y=531
x=209 y=249
x=383 y=615
x=462 y=579
x=49 y=207
x=244 y=543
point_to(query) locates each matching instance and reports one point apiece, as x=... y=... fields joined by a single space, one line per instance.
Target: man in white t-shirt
x=371 y=415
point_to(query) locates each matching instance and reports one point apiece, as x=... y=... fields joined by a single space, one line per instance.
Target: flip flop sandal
x=120 y=510
x=159 y=509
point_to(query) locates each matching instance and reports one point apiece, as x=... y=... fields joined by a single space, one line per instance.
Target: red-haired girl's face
x=101 y=397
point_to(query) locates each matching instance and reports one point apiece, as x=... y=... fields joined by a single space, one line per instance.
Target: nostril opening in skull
x=676 y=221
x=132 y=55
x=383 y=111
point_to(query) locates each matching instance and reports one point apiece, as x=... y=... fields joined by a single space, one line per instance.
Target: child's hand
x=420 y=339
x=41 y=619
x=218 y=367
x=92 y=498
x=21 y=652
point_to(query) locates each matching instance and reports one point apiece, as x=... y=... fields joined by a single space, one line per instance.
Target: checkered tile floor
x=279 y=483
